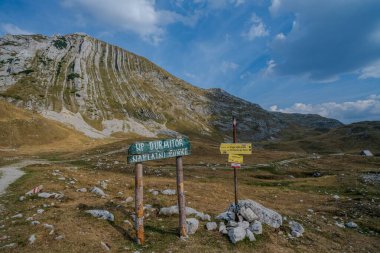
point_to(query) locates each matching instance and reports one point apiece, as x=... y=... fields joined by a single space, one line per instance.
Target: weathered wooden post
x=234 y=134
x=181 y=197
x=139 y=203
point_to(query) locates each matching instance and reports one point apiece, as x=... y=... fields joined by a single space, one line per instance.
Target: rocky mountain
x=101 y=89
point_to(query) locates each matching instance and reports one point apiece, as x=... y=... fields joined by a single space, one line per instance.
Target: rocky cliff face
x=101 y=89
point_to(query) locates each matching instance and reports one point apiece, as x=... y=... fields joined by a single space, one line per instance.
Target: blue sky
x=307 y=56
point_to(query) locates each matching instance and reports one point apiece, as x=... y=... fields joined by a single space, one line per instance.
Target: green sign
x=160 y=149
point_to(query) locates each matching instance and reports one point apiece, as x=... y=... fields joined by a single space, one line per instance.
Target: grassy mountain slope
x=101 y=89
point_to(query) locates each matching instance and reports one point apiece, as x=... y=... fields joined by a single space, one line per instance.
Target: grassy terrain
x=282 y=181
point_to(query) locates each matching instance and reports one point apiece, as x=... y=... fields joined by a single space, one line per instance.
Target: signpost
x=235 y=151
x=154 y=150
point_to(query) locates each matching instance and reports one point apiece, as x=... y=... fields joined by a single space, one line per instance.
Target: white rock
x=248 y=214
x=52 y=194
x=32 y=239
x=105 y=246
x=192 y=225
x=22 y=198
x=103 y=184
x=227 y=216
x=102 y=214
x=168 y=192
x=82 y=190
x=98 y=191
x=155 y=193
x=236 y=234
x=265 y=215
x=222 y=228
x=62 y=178
x=19 y=215
x=338 y=224
x=9 y=246
x=48 y=226
x=336 y=197
x=256 y=227
x=232 y=223
x=351 y=224
x=128 y=200
x=60 y=237
x=243 y=224
x=297 y=228
x=211 y=226
x=250 y=235
x=40 y=211
x=35 y=222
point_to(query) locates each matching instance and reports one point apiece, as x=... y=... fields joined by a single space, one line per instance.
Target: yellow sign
x=236 y=148
x=235 y=158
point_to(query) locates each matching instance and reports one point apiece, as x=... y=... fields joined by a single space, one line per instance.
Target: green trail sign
x=160 y=149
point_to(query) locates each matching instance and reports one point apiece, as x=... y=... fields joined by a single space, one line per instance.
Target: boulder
x=168 y=192
x=297 y=228
x=192 y=225
x=256 y=227
x=351 y=224
x=265 y=215
x=98 y=191
x=227 y=216
x=189 y=211
x=236 y=234
x=102 y=214
x=47 y=195
x=248 y=214
x=250 y=235
x=211 y=226
x=222 y=228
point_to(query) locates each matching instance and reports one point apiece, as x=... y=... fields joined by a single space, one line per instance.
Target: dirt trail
x=11 y=173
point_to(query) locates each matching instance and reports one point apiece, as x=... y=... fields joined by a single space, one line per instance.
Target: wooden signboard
x=153 y=150
x=236 y=148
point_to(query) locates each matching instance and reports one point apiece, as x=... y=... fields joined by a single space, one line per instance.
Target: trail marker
x=236 y=148
x=154 y=150
x=235 y=158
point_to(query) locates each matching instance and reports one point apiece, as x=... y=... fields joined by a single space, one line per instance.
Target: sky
x=305 y=56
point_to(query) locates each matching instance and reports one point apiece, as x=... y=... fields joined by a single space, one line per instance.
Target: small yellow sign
x=235 y=158
x=236 y=148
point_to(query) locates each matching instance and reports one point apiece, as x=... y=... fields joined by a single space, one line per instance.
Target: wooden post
x=139 y=206
x=181 y=198
x=234 y=134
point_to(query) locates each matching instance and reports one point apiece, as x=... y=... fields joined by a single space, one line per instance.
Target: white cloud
x=227 y=66
x=13 y=29
x=280 y=37
x=275 y=6
x=139 y=16
x=347 y=112
x=257 y=29
x=371 y=71
x=219 y=4
x=271 y=64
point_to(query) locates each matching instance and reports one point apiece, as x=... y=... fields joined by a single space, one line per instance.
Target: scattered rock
x=155 y=193
x=256 y=227
x=9 y=246
x=317 y=174
x=62 y=178
x=47 y=195
x=60 y=237
x=297 y=228
x=40 y=211
x=336 y=197
x=22 y=198
x=32 y=239
x=227 y=216
x=351 y=224
x=168 y=192
x=211 y=226
x=192 y=225
x=236 y=234
x=189 y=211
x=105 y=246
x=48 y=226
x=82 y=190
x=248 y=214
x=338 y=224
x=102 y=214
x=19 y=215
x=98 y=191
x=222 y=228
x=250 y=235
x=103 y=184
x=35 y=222
x=128 y=200
x=232 y=223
